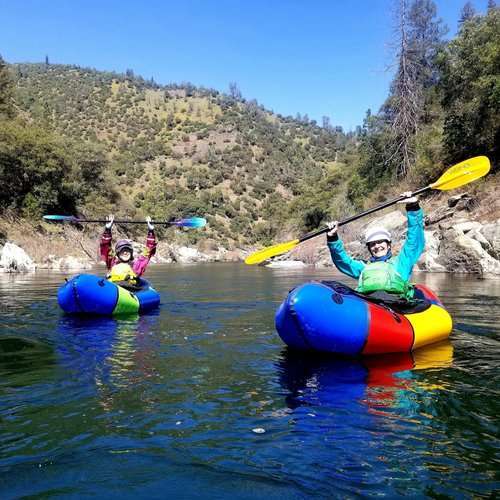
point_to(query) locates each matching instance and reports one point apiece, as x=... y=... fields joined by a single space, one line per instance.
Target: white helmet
x=377 y=233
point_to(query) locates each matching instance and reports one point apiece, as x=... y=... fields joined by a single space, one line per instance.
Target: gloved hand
x=408 y=198
x=111 y=219
x=333 y=226
x=150 y=226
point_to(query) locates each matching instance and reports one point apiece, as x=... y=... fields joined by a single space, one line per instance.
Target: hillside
x=177 y=150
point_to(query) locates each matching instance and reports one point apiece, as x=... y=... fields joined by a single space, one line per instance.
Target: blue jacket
x=408 y=256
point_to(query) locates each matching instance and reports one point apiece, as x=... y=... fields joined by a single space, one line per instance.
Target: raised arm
x=415 y=241
x=342 y=260
x=105 y=243
x=142 y=261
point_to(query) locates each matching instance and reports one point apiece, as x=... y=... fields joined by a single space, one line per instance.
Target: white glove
x=408 y=197
x=150 y=226
x=111 y=219
x=333 y=227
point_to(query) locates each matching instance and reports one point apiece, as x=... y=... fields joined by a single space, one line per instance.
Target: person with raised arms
x=384 y=275
x=121 y=263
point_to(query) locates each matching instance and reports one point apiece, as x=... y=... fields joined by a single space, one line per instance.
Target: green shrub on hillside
x=39 y=173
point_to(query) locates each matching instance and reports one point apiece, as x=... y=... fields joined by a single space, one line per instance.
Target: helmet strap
x=385 y=257
x=121 y=260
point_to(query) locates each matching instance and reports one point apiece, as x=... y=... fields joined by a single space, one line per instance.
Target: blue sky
x=324 y=57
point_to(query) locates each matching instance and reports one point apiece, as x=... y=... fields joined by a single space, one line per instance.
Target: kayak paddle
x=194 y=222
x=459 y=175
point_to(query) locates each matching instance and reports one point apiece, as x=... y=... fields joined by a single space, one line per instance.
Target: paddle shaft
x=155 y=222
x=308 y=236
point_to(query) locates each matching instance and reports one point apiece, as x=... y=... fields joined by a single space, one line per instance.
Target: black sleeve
x=412 y=207
x=335 y=237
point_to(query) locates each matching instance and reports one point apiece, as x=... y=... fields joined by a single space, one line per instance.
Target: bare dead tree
x=404 y=104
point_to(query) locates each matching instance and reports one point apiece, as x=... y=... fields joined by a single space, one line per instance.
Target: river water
x=202 y=400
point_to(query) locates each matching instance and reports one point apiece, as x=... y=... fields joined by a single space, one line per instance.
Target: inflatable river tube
x=94 y=295
x=330 y=317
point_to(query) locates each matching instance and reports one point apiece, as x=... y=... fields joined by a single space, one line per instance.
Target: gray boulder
x=429 y=259
x=491 y=233
x=460 y=252
x=68 y=263
x=14 y=259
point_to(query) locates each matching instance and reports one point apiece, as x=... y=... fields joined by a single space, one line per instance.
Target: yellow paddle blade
x=267 y=253
x=462 y=173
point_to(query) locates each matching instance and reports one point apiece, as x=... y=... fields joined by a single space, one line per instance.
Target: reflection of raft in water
x=90 y=294
x=323 y=379
x=331 y=317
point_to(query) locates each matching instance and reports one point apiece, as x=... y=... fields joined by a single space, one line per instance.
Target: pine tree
x=234 y=91
x=326 y=123
x=470 y=90
x=425 y=39
x=467 y=13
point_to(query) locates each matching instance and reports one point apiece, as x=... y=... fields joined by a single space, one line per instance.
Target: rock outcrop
x=69 y=263
x=169 y=253
x=14 y=259
x=491 y=232
x=463 y=247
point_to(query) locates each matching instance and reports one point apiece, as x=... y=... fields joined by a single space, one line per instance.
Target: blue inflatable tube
x=94 y=295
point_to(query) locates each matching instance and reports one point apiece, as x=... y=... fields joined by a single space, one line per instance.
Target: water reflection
x=108 y=357
x=377 y=381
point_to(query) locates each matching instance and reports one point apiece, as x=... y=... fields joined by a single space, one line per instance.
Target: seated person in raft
x=384 y=276
x=122 y=266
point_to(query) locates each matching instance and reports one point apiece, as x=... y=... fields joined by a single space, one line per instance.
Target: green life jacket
x=383 y=276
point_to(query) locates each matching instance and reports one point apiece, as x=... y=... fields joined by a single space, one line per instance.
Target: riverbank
x=462 y=235
x=25 y=247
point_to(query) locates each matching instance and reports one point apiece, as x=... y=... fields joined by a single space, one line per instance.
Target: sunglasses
x=378 y=242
